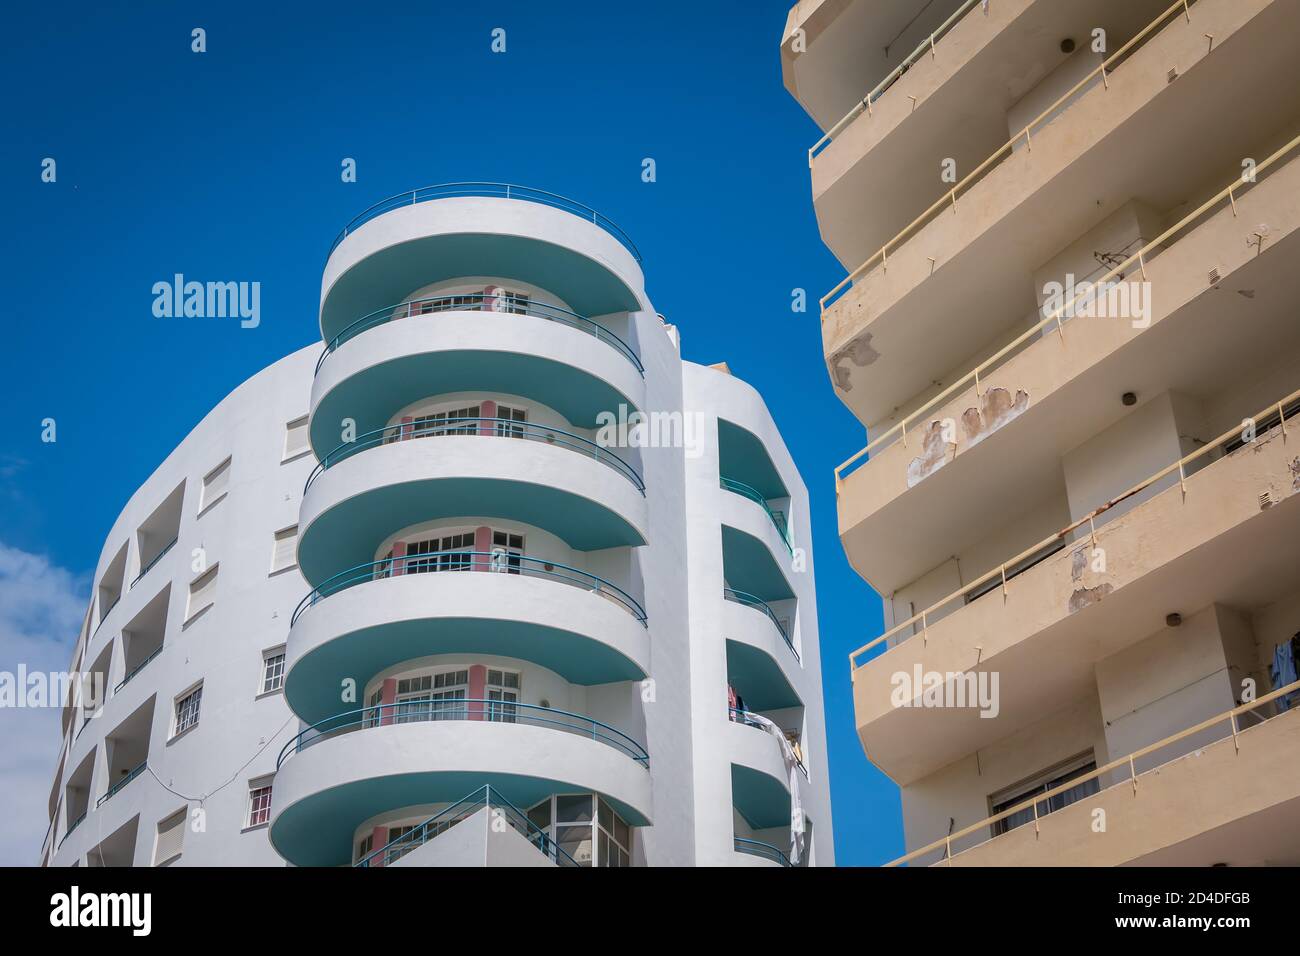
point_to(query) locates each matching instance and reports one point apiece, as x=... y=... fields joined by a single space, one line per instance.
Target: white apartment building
x=413 y=601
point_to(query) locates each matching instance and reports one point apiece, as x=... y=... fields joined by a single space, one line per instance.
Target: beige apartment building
x=1070 y=327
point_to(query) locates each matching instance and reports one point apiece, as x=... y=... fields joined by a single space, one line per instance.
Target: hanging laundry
x=1283 y=672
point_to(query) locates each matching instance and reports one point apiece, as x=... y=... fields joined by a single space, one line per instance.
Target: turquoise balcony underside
x=761 y=799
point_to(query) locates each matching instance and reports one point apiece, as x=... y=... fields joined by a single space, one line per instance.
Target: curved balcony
x=372 y=617
x=390 y=364
x=488 y=427
x=355 y=765
x=478 y=302
x=499 y=190
x=760 y=850
x=775 y=516
x=760 y=790
x=762 y=607
x=438 y=233
x=347 y=509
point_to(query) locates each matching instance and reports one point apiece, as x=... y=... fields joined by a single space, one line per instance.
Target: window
x=1047 y=780
x=171 y=834
x=296 y=441
x=187 y=710
x=516 y=303
x=259 y=803
x=272 y=670
x=202 y=592
x=397 y=852
x=602 y=838
x=436 y=423
x=449 y=553
x=509 y=415
x=284 y=549
x=507 y=550
x=365 y=847
x=215 y=485
x=502 y=686
x=471 y=302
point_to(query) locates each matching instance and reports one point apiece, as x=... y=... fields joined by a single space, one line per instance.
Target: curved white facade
x=423 y=566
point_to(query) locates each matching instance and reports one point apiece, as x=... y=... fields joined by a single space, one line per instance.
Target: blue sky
x=226 y=165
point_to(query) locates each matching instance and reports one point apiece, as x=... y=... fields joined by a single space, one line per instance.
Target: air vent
x=1173 y=74
x=1215 y=278
x=1265 y=500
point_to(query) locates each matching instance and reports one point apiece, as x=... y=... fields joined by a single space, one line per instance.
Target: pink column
x=477 y=688
x=407 y=429
x=387 y=698
x=490 y=295
x=483 y=545
x=399 y=556
x=378 y=839
x=487 y=409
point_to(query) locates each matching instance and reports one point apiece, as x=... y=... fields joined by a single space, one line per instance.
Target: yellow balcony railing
x=1026 y=135
x=1000 y=572
x=1228 y=194
x=1123 y=764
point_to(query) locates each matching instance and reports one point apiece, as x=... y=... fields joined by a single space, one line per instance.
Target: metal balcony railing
x=154 y=560
x=760 y=849
x=753 y=494
x=1125 y=765
x=751 y=600
x=120 y=784
x=1102 y=71
x=1227 y=196
x=864 y=105
x=424 y=710
x=494 y=191
x=479 y=302
x=489 y=427
x=72 y=826
x=1275 y=413
x=450 y=562
x=462 y=809
x=138 y=668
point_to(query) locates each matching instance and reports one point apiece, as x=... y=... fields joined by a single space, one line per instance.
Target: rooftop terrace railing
x=488 y=190
x=479 y=302
x=1056 y=318
x=949 y=199
x=488 y=427
x=1124 y=764
x=463 y=708
x=462 y=809
x=1276 y=413
x=452 y=562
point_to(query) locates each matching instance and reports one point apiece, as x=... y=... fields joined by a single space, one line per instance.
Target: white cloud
x=41 y=609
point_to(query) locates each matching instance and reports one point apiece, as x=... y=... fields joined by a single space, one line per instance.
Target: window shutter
x=284 y=551
x=202 y=591
x=295 y=438
x=216 y=484
x=171 y=834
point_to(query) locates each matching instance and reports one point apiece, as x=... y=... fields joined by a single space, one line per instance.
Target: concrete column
x=399 y=555
x=483 y=545
x=387 y=698
x=487 y=410
x=477 y=688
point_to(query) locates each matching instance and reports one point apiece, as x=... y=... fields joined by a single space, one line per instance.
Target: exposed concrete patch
x=935 y=453
x=1295 y=474
x=995 y=409
x=859 y=352
x=1078 y=563
x=1086 y=597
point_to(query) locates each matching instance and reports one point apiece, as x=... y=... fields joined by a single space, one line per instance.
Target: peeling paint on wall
x=996 y=408
x=859 y=352
x=1295 y=474
x=935 y=453
x=1086 y=597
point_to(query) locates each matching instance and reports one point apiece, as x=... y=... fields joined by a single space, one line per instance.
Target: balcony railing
x=154 y=560
x=864 y=105
x=1126 y=765
x=138 y=668
x=753 y=494
x=758 y=604
x=489 y=190
x=479 y=302
x=120 y=784
x=949 y=199
x=1227 y=195
x=760 y=849
x=72 y=826
x=463 y=708
x=490 y=427
x=462 y=809
x=1276 y=413
x=449 y=562
x=748 y=718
